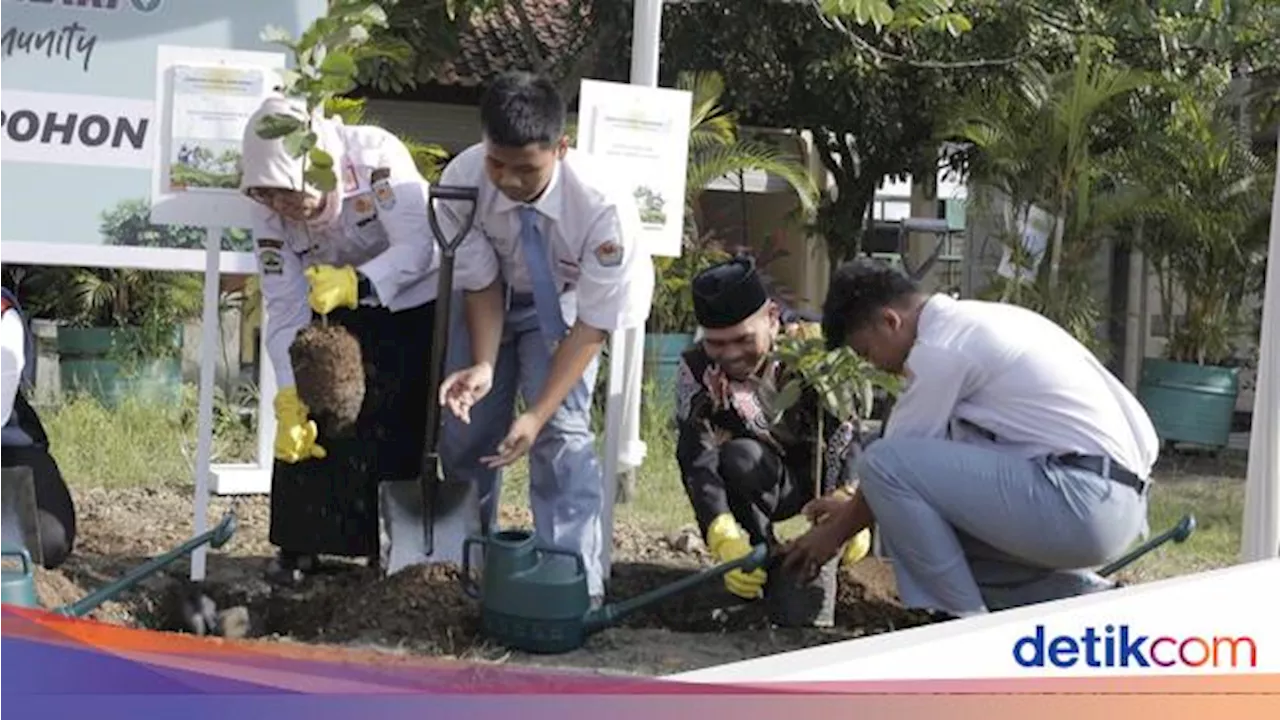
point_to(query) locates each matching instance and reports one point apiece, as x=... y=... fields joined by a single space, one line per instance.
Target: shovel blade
x=455 y=517
x=19 y=514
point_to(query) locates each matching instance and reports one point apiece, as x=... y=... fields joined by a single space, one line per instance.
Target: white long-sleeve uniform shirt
x=592 y=228
x=1022 y=378
x=383 y=232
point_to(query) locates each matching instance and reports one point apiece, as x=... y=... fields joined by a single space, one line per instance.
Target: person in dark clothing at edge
x=25 y=442
x=741 y=475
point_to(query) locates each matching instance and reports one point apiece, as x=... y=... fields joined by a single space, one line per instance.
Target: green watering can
x=534 y=597
x=20 y=588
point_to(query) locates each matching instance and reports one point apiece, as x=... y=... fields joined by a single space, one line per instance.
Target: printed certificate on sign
x=643 y=134
x=211 y=106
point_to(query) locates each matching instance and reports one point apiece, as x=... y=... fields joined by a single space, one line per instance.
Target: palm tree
x=1036 y=146
x=1204 y=208
x=716 y=149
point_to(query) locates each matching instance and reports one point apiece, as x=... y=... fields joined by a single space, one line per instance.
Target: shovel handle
x=457 y=193
x=439 y=346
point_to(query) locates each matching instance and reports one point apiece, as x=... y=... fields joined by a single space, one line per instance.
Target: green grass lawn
x=137 y=444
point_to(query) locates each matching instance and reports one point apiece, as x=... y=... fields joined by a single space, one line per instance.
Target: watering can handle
x=468 y=583
x=23 y=555
x=582 y=567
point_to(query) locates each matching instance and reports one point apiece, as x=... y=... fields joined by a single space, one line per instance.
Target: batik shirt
x=713 y=409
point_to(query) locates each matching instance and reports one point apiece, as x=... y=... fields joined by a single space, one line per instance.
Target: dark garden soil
x=422 y=610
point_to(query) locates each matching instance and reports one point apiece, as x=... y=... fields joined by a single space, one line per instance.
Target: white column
x=209 y=341
x=1261 y=536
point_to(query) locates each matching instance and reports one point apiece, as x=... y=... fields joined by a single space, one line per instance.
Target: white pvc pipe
x=209 y=341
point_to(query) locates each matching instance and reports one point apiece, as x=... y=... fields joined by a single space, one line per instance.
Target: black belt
x=1107 y=468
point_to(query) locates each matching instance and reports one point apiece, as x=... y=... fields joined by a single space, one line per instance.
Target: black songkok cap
x=728 y=293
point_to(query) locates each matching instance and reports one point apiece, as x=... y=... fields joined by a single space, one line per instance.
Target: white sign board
x=208 y=96
x=643 y=132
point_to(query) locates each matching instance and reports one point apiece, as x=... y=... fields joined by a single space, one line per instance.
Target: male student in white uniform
x=1012 y=463
x=550 y=268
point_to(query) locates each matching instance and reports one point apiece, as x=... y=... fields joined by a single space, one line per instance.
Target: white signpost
x=643 y=132
x=206 y=97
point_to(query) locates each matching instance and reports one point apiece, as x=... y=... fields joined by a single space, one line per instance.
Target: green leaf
x=958 y=24
x=862 y=11
x=881 y=13
x=275 y=35
x=323 y=179
x=299 y=143
x=788 y=396
x=338 y=64
x=320 y=159
x=350 y=38
x=289 y=80
x=278 y=125
x=337 y=85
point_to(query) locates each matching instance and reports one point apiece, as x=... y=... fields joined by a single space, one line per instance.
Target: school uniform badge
x=272 y=263
x=386 y=197
x=362 y=204
x=609 y=254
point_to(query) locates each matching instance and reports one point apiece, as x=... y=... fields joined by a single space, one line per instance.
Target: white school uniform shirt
x=383 y=232
x=1022 y=378
x=590 y=224
x=13 y=358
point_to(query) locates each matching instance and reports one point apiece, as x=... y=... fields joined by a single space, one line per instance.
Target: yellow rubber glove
x=295 y=434
x=728 y=541
x=860 y=545
x=332 y=288
x=857 y=548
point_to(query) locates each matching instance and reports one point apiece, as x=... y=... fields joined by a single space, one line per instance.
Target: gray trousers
x=971 y=529
x=566 y=485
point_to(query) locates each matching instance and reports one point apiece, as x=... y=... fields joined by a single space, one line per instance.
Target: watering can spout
x=216 y=537
x=608 y=615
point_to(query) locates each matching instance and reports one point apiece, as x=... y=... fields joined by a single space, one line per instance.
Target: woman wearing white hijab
x=364 y=256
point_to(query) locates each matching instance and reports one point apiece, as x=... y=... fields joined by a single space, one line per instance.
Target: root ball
x=329 y=371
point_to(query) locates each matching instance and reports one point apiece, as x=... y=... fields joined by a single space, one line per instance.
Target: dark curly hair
x=859 y=289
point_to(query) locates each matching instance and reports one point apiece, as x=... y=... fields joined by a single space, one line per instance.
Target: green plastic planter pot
x=86 y=365
x=1190 y=403
x=662 y=357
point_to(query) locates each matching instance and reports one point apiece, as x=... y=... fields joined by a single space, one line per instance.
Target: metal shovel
x=441 y=496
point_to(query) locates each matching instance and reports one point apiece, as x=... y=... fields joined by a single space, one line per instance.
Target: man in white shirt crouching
x=1012 y=463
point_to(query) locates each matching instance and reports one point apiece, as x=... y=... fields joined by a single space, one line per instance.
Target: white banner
x=93 y=130
x=1218 y=622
